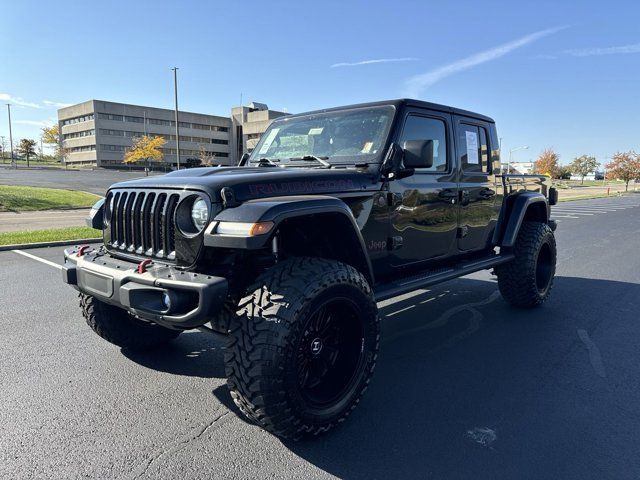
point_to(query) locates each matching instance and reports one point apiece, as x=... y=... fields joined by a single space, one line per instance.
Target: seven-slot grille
x=142 y=222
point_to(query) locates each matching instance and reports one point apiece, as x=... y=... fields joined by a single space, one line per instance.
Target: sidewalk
x=41 y=220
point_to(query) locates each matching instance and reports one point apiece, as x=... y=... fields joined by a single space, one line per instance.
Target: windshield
x=339 y=137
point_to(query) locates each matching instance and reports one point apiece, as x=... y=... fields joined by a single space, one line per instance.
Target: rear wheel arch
x=523 y=207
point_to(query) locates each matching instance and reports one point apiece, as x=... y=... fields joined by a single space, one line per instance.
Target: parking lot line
x=576 y=213
x=42 y=260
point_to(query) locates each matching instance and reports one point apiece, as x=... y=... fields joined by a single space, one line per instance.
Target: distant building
x=523 y=168
x=589 y=176
x=98 y=132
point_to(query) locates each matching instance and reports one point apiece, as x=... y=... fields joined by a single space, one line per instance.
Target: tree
x=624 y=166
x=564 y=173
x=3 y=144
x=204 y=156
x=547 y=163
x=583 y=166
x=26 y=148
x=51 y=136
x=145 y=148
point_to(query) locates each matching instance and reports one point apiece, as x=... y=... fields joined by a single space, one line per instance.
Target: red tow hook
x=142 y=266
x=82 y=249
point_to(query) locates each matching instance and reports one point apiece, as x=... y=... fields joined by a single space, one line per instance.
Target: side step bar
x=421 y=280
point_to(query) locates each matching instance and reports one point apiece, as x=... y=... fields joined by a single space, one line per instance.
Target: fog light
x=166 y=300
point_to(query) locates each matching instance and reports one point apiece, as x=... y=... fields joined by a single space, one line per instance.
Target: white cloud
x=417 y=83
x=6 y=98
x=34 y=123
x=588 y=52
x=369 y=62
x=51 y=103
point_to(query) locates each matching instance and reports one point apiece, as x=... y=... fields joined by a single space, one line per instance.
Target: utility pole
x=144 y=129
x=11 y=135
x=175 y=92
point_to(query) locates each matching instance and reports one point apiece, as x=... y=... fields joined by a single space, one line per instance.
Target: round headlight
x=200 y=214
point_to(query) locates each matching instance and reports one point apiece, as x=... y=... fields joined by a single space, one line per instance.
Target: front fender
x=277 y=210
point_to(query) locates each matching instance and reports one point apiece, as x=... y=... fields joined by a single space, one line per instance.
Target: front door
x=424 y=205
x=478 y=207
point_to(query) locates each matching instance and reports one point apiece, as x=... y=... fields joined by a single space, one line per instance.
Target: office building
x=98 y=132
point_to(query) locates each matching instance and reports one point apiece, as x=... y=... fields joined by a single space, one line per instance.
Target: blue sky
x=552 y=74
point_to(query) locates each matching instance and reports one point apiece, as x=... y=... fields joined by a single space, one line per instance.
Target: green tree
x=583 y=166
x=26 y=148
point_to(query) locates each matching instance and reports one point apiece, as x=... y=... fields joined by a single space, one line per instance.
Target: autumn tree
x=26 y=148
x=624 y=166
x=205 y=157
x=547 y=163
x=51 y=136
x=144 y=149
x=583 y=166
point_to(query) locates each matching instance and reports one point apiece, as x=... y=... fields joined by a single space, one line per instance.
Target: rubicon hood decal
x=309 y=186
x=249 y=183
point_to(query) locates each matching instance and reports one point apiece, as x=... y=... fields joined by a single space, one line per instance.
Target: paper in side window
x=268 y=141
x=472 y=147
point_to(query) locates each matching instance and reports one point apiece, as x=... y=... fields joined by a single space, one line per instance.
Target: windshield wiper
x=267 y=162
x=313 y=158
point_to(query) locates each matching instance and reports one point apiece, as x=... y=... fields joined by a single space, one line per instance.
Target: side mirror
x=418 y=153
x=243 y=159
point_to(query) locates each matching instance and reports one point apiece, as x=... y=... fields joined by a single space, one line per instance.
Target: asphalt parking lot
x=92 y=181
x=466 y=387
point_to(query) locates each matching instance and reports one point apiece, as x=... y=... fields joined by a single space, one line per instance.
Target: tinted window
x=424 y=128
x=473 y=148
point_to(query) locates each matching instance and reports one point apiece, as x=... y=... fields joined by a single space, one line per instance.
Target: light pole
x=524 y=147
x=175 y=92
x=10 y=134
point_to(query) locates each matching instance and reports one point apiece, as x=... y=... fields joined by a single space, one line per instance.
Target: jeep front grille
x=142 y=222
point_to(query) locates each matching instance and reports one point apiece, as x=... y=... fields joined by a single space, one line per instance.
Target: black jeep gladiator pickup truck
x=288 y=252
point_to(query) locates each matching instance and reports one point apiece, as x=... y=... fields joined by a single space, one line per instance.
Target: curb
x=58 y=243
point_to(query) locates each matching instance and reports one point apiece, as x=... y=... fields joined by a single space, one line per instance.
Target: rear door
x=424 y=205
x=478 y=206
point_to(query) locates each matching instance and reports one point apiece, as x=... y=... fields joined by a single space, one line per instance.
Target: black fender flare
x=516 y=211
x=277 y=210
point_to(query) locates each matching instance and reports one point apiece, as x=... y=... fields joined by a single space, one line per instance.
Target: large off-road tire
x=121 y=328
x=303 y=347
x=527 y=280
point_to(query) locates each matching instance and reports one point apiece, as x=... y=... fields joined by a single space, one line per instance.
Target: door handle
x=464 y=197
x=487 y=193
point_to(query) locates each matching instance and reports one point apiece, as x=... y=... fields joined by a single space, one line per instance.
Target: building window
x=112 y=148
x=127 y=118
x=82 y=118
x=157 y=121
x=110 y=116
x=84 y=148
x=84 y=133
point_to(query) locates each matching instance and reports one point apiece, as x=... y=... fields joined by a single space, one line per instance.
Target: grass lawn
x=22 y=199
x=52 y=235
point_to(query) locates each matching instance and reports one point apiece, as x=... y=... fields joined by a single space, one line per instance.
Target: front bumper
x=194 y=298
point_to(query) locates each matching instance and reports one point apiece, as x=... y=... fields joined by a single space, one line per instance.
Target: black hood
x=257 y=182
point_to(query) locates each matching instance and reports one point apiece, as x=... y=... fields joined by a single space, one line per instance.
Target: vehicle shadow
x=467 y=386
x=193 y=353
x=455 y=375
